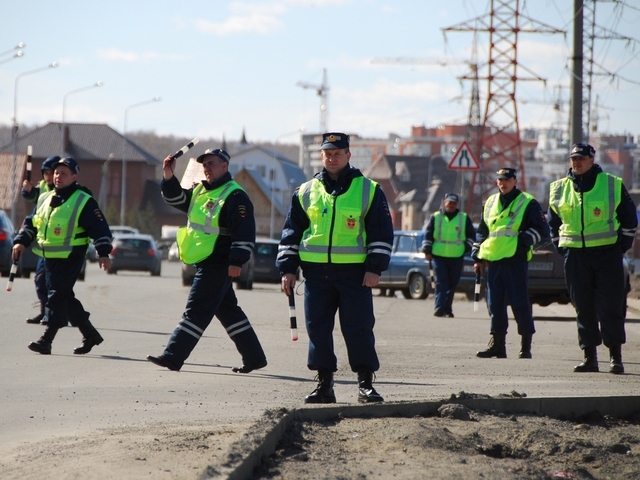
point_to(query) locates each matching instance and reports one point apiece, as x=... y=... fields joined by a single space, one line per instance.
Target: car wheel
x=156 y=272
x=417 y=287
x=111 y=271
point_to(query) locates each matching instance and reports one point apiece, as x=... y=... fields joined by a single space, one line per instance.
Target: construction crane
x=323 y=92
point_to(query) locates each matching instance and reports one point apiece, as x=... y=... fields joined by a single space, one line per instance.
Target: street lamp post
x=17 y=47
x=124 y=161
x=18 y=54
x=14 y=133
x=64 y=107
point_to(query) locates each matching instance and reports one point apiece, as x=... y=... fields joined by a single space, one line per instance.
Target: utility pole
x=576 y=133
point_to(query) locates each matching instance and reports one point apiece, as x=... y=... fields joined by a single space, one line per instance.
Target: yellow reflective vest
x=197 y=240
x=504 y=227
x=336 y=232
x=588 y=218
x=58 y=229
x=449 y=235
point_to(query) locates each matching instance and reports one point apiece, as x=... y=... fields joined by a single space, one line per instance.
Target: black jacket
x=91 y=220
x=236 y=215
x=625 y=212
x=378 y=226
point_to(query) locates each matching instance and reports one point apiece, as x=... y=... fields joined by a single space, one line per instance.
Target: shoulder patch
x=242 y=210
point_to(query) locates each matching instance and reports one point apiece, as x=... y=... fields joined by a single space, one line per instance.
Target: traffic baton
x=293 y=322
x=476 y=291
x=12 y=274
x=29 y=151
x=185 y=149
x=433 y=277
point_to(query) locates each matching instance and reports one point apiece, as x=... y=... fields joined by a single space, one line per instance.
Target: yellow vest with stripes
x=588 y=217
x=504 y=226
x=336 y=232
x=449 y=235
x=58 y=229
x=197 y=240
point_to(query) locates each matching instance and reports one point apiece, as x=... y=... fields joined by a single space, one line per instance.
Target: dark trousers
x=448 y=271
x=41 y=282
x=62 y=306
x=595 y=280
x=508 y=283
x=329 y=290
x=212 y=294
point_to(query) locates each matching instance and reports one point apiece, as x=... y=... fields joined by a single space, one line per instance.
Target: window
x=406 y=244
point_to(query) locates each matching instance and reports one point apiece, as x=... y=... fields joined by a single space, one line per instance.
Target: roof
x=87 y=141
x=293 y=173
x=411 y=176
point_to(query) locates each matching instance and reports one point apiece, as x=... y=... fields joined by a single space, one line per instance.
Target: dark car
x=6 y=243
x=135 y=251
x=264 y=268
x=243 y=282
x=546 y=277
x=408 y=268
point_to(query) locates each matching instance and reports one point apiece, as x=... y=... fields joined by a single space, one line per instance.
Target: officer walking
x=593 y=222
x=63 y=224
x=218 y=240
x=31 y=193
x=449 y=235
x=339 y=231
x=512 y=223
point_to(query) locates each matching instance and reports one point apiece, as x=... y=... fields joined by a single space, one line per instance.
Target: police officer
x=593 y=222
x=218 y=240
x=449 y=235
x=64 y=222
x=31 y=193
x=339 y=231
x=512 y=223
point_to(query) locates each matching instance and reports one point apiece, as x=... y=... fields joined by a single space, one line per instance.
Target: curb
x=262 y=438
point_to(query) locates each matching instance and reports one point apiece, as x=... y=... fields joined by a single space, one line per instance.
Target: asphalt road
x=422 y=358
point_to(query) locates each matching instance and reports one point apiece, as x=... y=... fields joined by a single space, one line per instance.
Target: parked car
x=546 y=278
x=7 y=233
x=265 y=253
x=408 y=268
x=243 y=282
x=135 y=251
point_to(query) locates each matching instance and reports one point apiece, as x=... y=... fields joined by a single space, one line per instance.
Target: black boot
x=324 y=391
x=43 y=346
x=590 y=363
x=615 y=355
x=525 y=346
x=366 y=392
x=91 y=337
x=38 y=317
x=497 y=347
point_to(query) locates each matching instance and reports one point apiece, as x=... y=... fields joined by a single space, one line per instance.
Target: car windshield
x=135 y=243
x=266 y=249
x=406 y=244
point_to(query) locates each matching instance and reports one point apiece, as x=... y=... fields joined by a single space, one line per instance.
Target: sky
x=221 y=67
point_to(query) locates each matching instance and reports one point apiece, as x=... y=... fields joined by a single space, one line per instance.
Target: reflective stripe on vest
x=448 y=234
x=588 y=218
x=504 y=226
x=336 y=232
x=58 y=229
x=197 y=240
